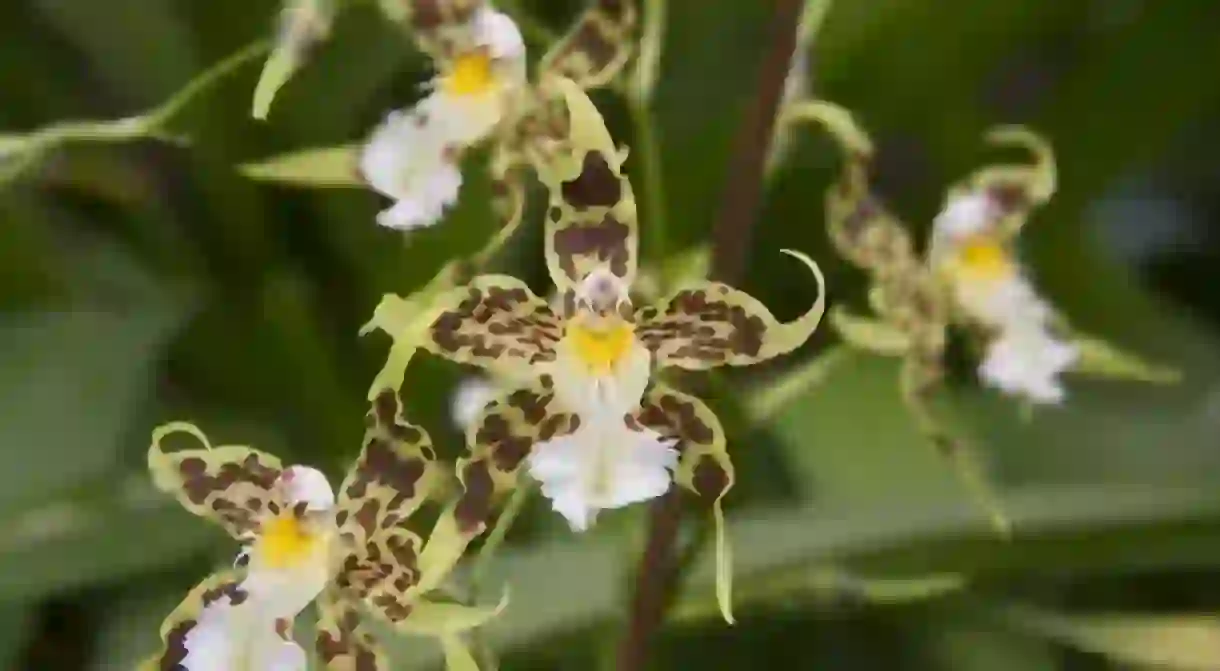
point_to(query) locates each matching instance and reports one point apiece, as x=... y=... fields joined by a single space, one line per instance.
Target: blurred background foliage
x=146 y=281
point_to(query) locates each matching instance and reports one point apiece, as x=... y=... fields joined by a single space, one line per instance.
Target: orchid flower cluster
x=586 y=416
x=579 y=404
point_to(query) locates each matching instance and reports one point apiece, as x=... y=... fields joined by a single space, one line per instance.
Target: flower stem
x=657 y=571
x=495 y=538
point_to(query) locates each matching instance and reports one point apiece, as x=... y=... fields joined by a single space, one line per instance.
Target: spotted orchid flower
x=413 y=155
x=587 y=417
x=972 y=250
x=481 y=91
x=350 y=554
x=285 y=517
x=971 y=277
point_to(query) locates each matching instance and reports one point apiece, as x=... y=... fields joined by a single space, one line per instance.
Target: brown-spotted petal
x=859 y=226
x=394 y=474
x=229 y=484
x=716 y=325
x=342 y=641
x=597 y=47
x=499 y=442
x=591 y=219
x=704 y=467
x=497 y=323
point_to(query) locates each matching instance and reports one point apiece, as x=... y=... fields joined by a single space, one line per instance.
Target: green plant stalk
x=22 y=153
x=495 y=538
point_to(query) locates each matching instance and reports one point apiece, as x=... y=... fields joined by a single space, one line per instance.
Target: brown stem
x=657 y=572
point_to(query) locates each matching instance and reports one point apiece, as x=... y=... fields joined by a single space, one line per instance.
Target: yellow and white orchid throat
x=297 y=535
x=983 y=258
x=494 y=62
x=599 y=336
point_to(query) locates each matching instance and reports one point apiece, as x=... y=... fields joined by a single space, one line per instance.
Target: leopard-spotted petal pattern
x=597 y=47
x=716 y=325
x=861 y=229
x=394 y=474
x=591 y=220
x=704 y=467
x=495 y=322
x=342 y=641
x=230 y=484
x=499 y=442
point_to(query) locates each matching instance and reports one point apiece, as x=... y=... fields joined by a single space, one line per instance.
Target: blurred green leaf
x=14 y=627
x=1179 y=642
x=962 y=644
x=318 y=168
x=1070 y=527
x=73 y=381
x=118 y=526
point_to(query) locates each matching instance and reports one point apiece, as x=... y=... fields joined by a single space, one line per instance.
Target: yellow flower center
x=470 y=75
x=601 y=349
x=984 y=258
x=285 y=543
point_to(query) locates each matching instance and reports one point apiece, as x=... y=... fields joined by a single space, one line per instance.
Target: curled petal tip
x=838 y=121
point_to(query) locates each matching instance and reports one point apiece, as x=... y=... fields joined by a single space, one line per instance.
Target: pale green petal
x=448 y=619
x=1097 y=358
x=869 y=334
x=406 y=321
x=322 y=167
x=306 y=22
x=724 y=565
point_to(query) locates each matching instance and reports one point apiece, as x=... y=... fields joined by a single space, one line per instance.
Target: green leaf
x=15 y=619
x=1180 y=642
x=71 y=384
x=119 y=526
x=1101 y=359
x=1088 y=527
x=311 y=168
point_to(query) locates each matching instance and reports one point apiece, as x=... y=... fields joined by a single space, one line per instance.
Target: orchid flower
x=971 y=277
x=481 y=92
x=588 y=418
x=350 y=553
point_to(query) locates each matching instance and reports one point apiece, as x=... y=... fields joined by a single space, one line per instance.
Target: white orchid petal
x=229 y=636
x=303 y=484
x=408 y=159
x=602 y=465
